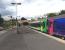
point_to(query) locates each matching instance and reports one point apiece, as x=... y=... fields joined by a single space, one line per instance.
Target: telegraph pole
x=16 y=4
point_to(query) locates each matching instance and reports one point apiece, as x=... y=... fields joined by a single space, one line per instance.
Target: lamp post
x=16 y=14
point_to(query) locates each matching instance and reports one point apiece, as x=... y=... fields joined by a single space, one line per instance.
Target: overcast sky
x=30 y=8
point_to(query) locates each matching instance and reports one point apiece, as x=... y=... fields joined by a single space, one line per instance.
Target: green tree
x=62 y=12
x=23 y=18
x=51 y=14
x=1 y=20
x=32 y=19
x=13 y=21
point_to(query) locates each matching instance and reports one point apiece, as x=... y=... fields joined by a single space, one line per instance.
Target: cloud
x=31 y=7
x=3 y=7
x=6 y=12
x=63 y=0
x=29 y=1
x=40 y=7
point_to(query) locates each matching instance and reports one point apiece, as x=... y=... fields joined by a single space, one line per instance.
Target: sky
x=31 y=8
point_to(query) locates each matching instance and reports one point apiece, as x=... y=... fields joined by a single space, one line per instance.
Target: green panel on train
x=45 y=25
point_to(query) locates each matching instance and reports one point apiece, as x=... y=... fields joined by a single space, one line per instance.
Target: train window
x=49 y=23
x=43 y=24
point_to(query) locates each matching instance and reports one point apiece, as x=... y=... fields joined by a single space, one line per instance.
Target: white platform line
x=55 y=38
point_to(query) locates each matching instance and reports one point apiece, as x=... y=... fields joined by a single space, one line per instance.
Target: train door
x=50 y=26
x=45 y=25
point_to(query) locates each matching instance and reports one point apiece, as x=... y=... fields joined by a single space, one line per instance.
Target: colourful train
x=54 y=25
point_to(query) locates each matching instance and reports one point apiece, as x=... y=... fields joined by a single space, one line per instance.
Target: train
x=54 y=25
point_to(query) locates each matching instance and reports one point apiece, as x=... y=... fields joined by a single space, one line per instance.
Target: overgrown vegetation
x=1 y=21
x=9 y=24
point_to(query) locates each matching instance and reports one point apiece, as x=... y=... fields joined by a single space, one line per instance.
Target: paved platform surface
x=28 y=40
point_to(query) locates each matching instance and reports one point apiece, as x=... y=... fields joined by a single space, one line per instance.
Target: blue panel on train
x=59 y=26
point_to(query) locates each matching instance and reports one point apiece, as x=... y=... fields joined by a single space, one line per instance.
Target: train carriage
x=56 y=25
x=53 y=25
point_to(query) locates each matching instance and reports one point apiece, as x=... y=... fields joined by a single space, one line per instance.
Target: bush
x=25 y=23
